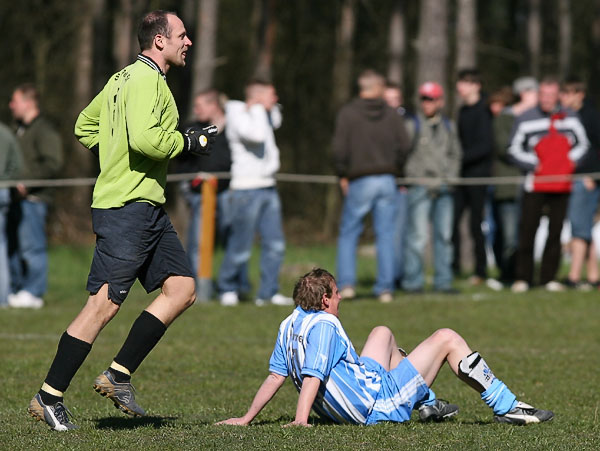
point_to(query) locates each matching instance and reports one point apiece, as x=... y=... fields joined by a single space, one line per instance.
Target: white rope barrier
x=316 y=179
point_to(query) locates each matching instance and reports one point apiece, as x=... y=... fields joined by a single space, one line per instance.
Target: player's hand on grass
x=198 y=141
x=234 y=422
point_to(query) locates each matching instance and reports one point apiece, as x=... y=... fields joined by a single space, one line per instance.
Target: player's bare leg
x=381 y=346
x=178 y=293
x=96 y=314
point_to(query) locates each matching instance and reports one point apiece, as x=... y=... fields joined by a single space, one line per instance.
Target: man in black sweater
x=476 y=138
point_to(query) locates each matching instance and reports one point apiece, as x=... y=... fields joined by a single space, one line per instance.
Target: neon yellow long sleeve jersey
x=134 y=121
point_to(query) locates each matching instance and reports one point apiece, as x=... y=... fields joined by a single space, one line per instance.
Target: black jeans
x=533 y=206
x=473 y=198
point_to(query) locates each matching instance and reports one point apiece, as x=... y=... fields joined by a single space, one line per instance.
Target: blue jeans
x=582 y=208
x=424 y=207
x=254 y=211
x=4 y=266
x=376 y=193
x=399 y=231
x=29 y=262
x=506 y=241
x=223 y=228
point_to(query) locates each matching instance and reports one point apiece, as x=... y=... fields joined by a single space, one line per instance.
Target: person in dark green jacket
x=132 y=126
x=42 y=149
x=11 y=162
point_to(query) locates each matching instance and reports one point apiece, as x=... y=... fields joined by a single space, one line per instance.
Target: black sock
x=119 y=375
x=146 y=331
x=70 y=355
x=49 y=399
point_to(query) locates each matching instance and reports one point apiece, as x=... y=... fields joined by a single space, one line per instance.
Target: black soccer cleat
x=524 y=414
x=122 y=394
x=438 y=412
x=55 y=415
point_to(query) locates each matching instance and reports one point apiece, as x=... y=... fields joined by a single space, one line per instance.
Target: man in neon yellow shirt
x=132 y=126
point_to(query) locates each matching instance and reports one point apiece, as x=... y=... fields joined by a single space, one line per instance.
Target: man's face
x=571 y=99
x=268 y=97
x=334 y=300
x=19 y=105
x=393 y=97
x=466 y=89
x=548 y=97
x=204 y=110
x=176 y=46
x=430 y=107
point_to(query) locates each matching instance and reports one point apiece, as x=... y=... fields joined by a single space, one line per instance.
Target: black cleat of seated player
x=524 y=414
x=438 y=412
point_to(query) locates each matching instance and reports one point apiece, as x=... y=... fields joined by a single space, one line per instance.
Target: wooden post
x=207 y=240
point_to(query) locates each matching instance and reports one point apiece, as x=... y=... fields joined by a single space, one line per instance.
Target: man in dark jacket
x=43 y=155
x=476 y=139
x=369 y=148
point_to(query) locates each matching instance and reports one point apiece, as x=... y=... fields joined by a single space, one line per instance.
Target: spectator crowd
x=394 y=163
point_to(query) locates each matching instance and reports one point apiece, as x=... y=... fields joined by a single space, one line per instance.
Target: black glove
x=198 y=141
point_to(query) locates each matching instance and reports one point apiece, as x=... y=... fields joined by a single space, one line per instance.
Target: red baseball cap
x=431 y=89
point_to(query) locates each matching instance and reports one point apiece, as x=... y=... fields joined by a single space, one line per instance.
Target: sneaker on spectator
x=494 y=284
x=386 y=297
x=348 y=293
x=554 y=286
x=229 y=299
x=475 y=281
x=277 y=299
x=24 y=299
x=520 y=286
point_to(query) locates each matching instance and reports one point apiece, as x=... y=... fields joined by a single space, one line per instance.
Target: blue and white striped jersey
x=315 y=344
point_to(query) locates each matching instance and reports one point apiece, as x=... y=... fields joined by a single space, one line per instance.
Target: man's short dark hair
x=153 y=23
x=470 y=75
x=573 y=84
x=29 y=91
x=310 y=288
x=550 y=80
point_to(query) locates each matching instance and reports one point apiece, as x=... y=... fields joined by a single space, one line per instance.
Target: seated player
x=380 y=385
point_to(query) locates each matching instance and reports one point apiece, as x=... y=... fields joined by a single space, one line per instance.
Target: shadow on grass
x=283 y=420
x=133 y=423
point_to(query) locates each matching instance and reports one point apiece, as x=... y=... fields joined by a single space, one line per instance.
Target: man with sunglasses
x=435 y=155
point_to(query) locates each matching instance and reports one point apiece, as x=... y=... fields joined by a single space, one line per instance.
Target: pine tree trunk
x=432 y=42
x=466 y=34
x=266 y=28
x=122 y=31
x=565 y=37
x=205 y=45
x=534 y=37
x=397 y=44
x=341 y=91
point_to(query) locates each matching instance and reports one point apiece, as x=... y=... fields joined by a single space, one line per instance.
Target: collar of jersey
x=150 y=62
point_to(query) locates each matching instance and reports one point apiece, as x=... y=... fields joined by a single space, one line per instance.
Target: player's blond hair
x=310 y=288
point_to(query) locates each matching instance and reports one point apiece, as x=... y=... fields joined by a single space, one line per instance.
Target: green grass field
x=208 y=366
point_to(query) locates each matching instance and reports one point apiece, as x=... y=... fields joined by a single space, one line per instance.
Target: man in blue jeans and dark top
x=255 y=203
x=208 y=109
x=435 y=154
x=369 y=149
x=131 y=125
x=583 y=202
x=41 y=145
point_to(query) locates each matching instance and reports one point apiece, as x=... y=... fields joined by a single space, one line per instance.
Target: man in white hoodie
x=256 y=208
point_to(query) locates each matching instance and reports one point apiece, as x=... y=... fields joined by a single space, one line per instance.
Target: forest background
x=312 y=50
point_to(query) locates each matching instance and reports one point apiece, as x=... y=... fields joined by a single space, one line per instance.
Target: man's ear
x=159 y=41
x=325 y=301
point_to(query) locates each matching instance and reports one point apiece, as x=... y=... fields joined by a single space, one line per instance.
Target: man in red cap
x=435 y=156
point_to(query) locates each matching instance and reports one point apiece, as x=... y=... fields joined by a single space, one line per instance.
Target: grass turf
x=211 y=361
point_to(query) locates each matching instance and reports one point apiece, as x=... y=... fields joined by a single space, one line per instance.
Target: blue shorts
x=401 y=388
x=582 y=208
x=136 y=241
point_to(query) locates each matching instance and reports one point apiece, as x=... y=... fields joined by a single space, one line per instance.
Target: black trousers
x=533 y=206
x=473 y=198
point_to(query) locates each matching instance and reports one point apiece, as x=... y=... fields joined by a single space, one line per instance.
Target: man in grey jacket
x=436 y=154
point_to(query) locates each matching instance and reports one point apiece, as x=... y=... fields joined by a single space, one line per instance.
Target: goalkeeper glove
x=198 y=141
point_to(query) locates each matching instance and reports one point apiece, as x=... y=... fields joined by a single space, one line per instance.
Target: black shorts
x=136 y=241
